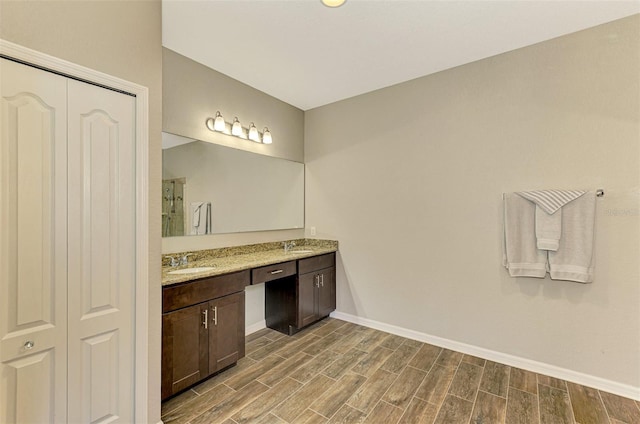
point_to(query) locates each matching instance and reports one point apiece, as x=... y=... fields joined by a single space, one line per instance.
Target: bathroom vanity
x=203 y=313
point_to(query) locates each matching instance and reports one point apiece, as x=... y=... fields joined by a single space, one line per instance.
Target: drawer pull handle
x=277 y=271
x=205 y=321
x=215 y=315
x=322 y=280
x=29 y=345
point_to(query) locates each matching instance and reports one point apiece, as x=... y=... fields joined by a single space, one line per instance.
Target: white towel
x=574 y=259
x=548 y=221
x=548 y=229
x=521 y=256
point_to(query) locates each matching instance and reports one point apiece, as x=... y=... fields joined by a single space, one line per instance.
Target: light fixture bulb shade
x=219 y=124
x=266 y=136
x=236 y=128
x=254 y=135
x=333 y=3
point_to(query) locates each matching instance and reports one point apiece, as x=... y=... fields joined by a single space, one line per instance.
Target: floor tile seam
x=332 y=378
x=374 y=408
x=420 y=369
x=200 y=394
x=413 y=356
x=180 y=405
x=604 y=406
x=351 y=406
x=385 y=392
x=552 y=387
x=448 y=392
x=393 y=372
x=573 y=418
x=477 y=389
x=272 y=411
x=324 y=416
x=240 y=388
x=573 y=415
x=438 y=407
x=445 y=395
x=461 y=398
x=274 y=407
x=492 y=394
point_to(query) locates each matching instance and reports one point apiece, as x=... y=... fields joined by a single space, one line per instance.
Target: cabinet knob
x=29 y=345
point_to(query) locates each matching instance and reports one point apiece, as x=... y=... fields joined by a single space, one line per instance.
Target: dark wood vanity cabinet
x=295 y=302
x=317 y=288
x=203 y=326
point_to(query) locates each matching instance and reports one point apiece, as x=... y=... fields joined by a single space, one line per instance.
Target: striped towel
x=548 y=223
x=551 y=200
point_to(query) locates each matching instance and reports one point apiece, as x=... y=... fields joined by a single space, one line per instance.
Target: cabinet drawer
x=316 y=263
x=272 y=272
x=192 y=292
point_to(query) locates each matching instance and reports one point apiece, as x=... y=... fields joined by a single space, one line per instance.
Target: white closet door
x=102 y=258
x=33 y=238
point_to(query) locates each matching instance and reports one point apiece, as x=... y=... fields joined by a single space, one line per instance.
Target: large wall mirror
x=213 y=189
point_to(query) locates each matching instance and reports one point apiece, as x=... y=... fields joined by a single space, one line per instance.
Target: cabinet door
x=184 y=348
x=307 y=305
x=326 y=292
x=226 y=331
x=33 y=245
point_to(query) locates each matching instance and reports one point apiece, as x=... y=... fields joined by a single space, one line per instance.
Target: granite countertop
x=232 y=259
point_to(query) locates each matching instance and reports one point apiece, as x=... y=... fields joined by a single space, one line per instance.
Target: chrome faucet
x=184 y=260
x=173 y=261
x=288 y=246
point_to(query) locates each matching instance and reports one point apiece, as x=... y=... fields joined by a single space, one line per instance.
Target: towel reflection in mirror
x=201 y=218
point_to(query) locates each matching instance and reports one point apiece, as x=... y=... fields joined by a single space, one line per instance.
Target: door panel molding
x=41 y=60
x=33 y=268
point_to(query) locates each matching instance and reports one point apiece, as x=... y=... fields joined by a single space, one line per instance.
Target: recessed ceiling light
x=333 y=3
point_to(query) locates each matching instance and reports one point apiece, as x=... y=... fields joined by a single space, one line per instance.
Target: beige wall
x=122 y=39
x=201 y=92
x=192 y=93
x=409 y=180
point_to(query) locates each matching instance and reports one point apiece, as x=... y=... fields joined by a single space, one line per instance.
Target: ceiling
x=309 y=55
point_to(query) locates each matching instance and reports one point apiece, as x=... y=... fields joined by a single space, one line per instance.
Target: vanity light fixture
x=266 y=136
x=254 y=135
x=236 y=129
x=333 y=3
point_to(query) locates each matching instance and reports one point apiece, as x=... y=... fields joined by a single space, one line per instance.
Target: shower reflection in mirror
x=173 y=207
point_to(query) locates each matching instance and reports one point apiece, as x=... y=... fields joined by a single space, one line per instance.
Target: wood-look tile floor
x=339 y=372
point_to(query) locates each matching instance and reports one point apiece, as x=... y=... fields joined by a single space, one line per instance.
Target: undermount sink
x=194 y=270
x=300 y=251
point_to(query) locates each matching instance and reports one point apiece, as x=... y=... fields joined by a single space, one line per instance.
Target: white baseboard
x=252 y=328
x=503 y=358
